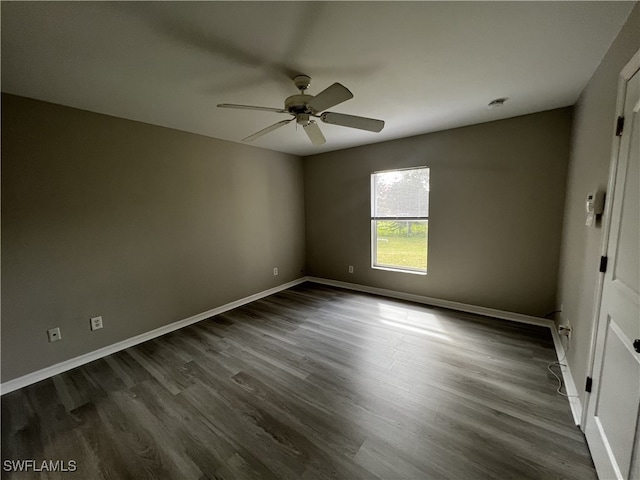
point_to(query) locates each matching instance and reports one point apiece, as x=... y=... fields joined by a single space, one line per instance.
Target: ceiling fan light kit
x=303 y=108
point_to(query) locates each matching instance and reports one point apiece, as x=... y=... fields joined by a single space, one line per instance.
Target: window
x=400 y=219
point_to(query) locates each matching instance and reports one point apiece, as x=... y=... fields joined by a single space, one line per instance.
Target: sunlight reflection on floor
x=417 y=322
x=422 y=331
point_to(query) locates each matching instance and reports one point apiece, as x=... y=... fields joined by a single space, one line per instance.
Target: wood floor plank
x=314 y=382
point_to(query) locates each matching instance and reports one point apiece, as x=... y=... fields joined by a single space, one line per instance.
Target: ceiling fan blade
x=362 y=123
x=330 y=97
x=314 y=133
x=264 y=131
x=252 y=107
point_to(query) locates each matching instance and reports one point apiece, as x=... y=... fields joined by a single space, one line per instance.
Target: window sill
x=399 y=270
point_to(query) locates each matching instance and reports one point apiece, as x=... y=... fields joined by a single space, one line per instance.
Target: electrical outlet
x=350 y=268
x=275 y=271
x=565 y=329
x=54 y=334
x=96 y=323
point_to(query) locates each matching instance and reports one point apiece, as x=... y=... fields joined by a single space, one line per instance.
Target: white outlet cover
x=96 y=323
x=54 y=334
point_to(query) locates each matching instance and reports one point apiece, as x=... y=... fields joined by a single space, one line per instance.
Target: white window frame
x=375 y=218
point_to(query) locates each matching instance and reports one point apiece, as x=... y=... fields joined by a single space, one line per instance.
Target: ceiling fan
x=304 y=108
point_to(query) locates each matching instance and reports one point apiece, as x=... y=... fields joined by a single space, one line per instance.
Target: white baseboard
x=436 y=302
x=48 y=372
x=573 y=397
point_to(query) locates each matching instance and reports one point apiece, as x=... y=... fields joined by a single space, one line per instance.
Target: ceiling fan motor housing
x=298 y=103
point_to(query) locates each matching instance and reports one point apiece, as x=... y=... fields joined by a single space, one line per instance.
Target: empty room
x=320 y=240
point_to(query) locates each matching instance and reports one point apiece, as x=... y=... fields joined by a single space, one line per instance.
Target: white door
x=612 y=412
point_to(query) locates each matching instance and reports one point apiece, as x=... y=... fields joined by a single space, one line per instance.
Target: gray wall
x=591 y=145
x=496 y=202
x=140 y=224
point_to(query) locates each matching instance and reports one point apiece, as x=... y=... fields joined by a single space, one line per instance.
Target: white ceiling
x=420 y=66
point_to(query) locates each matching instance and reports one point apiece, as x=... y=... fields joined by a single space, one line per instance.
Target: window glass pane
x=401 y=243
x=401 y=193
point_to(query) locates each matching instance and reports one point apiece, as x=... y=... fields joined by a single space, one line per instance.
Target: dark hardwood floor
x=311 y=383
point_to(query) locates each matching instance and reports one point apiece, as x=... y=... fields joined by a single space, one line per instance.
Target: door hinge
x=603 y=264
x=619 y=126
x=587 y=387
